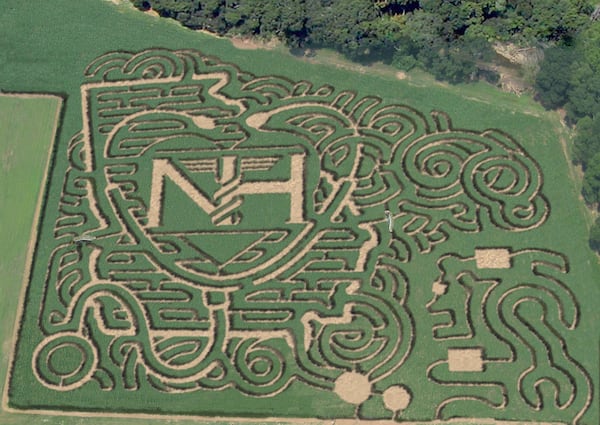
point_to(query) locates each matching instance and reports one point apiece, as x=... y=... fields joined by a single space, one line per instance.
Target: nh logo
x=229 y=173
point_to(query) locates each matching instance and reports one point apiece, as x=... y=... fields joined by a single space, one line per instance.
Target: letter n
x=161 y=169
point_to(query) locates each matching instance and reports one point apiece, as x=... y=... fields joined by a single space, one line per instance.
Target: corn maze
x=216 y=244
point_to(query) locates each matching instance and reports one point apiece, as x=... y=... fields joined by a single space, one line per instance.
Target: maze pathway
x=225 y=244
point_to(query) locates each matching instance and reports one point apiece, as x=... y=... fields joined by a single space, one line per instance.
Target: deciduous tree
x=553 y=81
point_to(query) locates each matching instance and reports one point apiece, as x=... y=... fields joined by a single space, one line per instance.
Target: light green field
x=517 y=194
x=28 y=127
x=27 y=131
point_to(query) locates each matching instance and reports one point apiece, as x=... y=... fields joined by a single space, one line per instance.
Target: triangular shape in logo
x=223 y=246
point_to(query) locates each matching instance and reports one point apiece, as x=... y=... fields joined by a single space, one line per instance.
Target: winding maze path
x=240 y=244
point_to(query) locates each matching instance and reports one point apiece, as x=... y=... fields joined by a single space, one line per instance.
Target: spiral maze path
x=240 y=246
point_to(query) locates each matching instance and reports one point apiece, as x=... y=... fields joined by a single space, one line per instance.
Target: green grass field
x=242 y=265
x=27 y=130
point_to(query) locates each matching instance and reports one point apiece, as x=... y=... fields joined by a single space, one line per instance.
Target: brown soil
x=246 y=43
x=152 y=13
x=401 y=75
x=496 y=258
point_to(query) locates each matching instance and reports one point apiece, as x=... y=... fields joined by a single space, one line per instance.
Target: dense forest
x=452 y=39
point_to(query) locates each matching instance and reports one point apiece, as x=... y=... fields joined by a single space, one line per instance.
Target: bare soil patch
x=152 y=12
x=246 y=43
x=495 y=258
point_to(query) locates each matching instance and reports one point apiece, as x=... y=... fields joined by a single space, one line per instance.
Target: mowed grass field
x=45 y=48
x=28 y=126
x=27 y=129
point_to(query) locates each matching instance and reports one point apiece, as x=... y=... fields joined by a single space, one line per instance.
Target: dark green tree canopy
x=587 y=142
x=553 y=80
x=595 y=236
x=446 y=37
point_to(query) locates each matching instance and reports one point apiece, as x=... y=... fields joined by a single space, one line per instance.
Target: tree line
x=447 y=38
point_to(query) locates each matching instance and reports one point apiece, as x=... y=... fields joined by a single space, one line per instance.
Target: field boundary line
x=277 y=420
x=26 y=95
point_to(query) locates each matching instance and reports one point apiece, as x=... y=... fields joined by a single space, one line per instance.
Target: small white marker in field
x=83 y=239
x=390 y=220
